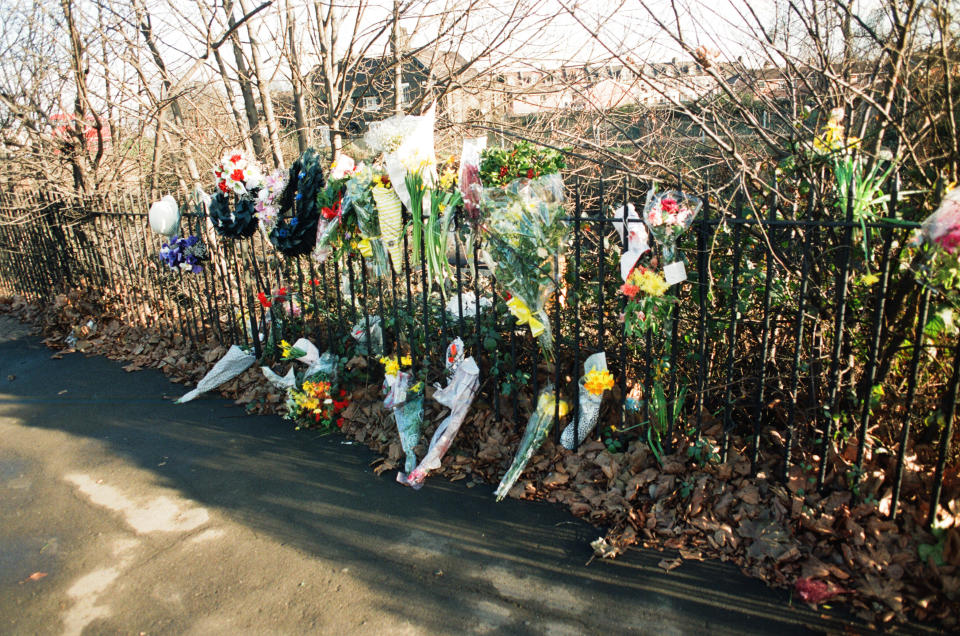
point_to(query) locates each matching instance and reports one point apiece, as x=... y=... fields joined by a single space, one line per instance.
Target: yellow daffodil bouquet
x=594 y=382
x=539 y=425
x=405 y=399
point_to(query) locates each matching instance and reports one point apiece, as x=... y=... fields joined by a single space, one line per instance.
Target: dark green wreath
x=234 y=221
x=297 y=214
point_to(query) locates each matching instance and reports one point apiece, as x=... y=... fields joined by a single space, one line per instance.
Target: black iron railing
x=790 y=353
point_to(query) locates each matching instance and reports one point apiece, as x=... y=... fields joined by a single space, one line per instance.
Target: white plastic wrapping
x=234 y=362
x=407 y=407
x=406 y=142
x=282 y=382
x=470 y=305
x=359 y=333
x=589 y=405
x=638 y=239
x=458 y=395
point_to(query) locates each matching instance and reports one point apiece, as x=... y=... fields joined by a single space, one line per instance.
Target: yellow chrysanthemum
x=390 y=365
x=649 y=282
x=285 y=348
x=598 y=381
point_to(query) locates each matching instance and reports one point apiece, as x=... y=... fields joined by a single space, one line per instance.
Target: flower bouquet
x=668 y=215
x=444 y=201
x=358 y=198
x=330 y=225
x=232 y=209
x=469 y=182
x=647 y=305
x=295 y=232
x=540 y=423
x=184 y=254
x=266 y=208
x=372 y=345
x=406 y=142
x=525 y=233
x=317 y=404
x=594 y=382
x=937 y=264
x=457 y=396
x=234 y=362
x=406 y=402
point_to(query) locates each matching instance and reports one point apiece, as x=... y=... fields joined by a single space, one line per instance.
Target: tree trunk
x=296 y=79
x=266 y=99
x=246 y=88
x=397 y=59
x=237 y=117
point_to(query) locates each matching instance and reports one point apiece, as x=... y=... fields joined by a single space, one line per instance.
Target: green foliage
x=499 y=166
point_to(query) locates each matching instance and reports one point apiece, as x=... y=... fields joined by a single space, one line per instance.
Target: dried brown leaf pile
x=826 y=548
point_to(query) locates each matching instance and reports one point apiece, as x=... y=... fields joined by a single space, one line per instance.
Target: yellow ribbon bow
x=365 y=249
x=524 y=316
x=547 y=404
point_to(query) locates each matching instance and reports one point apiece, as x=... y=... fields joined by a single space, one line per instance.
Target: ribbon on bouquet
x=524 y=316
x=638 y=239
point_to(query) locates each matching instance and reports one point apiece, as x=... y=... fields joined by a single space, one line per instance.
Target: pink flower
x=669 y=205
x=654 y=218
x=950 y=240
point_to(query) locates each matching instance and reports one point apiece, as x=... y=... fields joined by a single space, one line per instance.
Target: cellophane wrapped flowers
x=457 y=396
x=540 y=423
x=406 y=401
x=358 y=197
x=596 y=380
x=647 y=303
x=265 y=206
x=524 y=235
x=185 y=254
x=317 y=404
x=668 y=215
x=938 y=263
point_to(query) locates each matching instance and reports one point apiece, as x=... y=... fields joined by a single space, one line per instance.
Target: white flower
x=341 y=167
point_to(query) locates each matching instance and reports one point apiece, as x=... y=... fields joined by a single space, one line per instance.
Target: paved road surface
x=147 y=517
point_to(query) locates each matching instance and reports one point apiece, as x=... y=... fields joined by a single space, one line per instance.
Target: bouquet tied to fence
x=540 y=423
x=525 y=233
x=596 y=379
x=668 y=215
x=184 y=254
x=358 y=199
x=233 y=208
x=937 y=263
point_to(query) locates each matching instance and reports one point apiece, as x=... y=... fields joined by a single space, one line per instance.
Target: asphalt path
x=121 y=512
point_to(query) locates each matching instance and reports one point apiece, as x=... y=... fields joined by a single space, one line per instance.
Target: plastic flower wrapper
x=593 y=383
x=359 y=198
x=648 y=306
x=525 y=234
x=668 y=215
x=406 y=402
x=390 y=217
x=467 y=300
x=457 y=396
x=406 y=142
x=470 y=184
x=234 y=362
x=937 y=265
x=540 y=423
x=359 y=332
x=638 y=239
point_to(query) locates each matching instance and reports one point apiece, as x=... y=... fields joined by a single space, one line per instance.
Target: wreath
x=296 y=231
x=234 y=221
